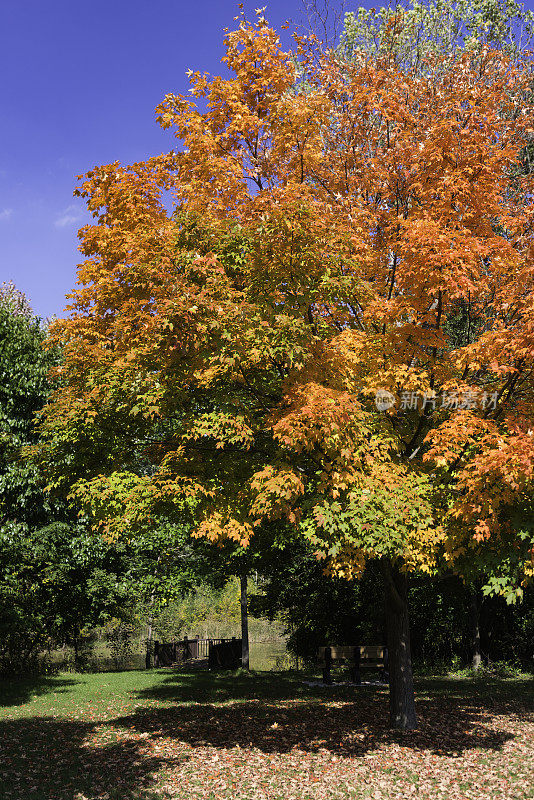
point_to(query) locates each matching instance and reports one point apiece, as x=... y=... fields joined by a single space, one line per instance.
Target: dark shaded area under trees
x=319 y=609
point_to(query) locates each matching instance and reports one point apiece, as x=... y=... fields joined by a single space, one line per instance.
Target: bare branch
x=325 y=19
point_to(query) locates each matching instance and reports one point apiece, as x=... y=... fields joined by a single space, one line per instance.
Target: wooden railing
x=219 y=653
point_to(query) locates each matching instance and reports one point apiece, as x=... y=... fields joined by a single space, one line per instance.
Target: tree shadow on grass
x=42 y=758
x=352 y=722
x=489 y=690
x=46 y=758
x=217 y=687
x=19 y=691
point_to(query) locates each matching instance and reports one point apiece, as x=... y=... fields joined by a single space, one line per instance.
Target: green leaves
x=24 y=388
x=55 y=580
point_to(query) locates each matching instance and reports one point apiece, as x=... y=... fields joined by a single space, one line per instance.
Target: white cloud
x=70 y=216
x=5 y=214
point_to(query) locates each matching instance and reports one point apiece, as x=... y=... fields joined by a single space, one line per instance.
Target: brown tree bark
x=244 y=623
x=150 y=622
x=401 y=692
x=148 y=656
x=474 y=615
x=76 y=653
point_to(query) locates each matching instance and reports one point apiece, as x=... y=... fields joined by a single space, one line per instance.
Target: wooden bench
x=357 y=657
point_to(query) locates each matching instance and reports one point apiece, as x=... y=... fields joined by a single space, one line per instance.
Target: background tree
x=318 y=609
x=57 y=577
x=24 y=389
x=410 y=32
x=58 y=582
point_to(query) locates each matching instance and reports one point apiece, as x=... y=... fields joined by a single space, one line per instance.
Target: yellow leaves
x=462 y=430
x=494 y=470
x=423 y=547
x=316 y=414
x=348 y=564
x=388 y=512
x=223 y=429
x=232 y=141
x=275 y=492
x=218 y=527
x=118 y=504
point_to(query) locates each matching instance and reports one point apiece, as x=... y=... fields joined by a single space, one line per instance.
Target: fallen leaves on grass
x=306 y=748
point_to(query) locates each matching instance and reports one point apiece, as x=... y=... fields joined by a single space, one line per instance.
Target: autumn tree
x=286 y=343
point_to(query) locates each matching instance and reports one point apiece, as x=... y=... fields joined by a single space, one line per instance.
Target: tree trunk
x=150 y=623
x=244 y=623
x=474 y=612
x=76 y=652
x=401 y=693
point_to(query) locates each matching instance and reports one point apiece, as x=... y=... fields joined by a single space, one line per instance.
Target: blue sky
x=81 y=81
x=80 y=84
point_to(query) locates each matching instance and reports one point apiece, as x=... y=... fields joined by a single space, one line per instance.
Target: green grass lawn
x=148 y=735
